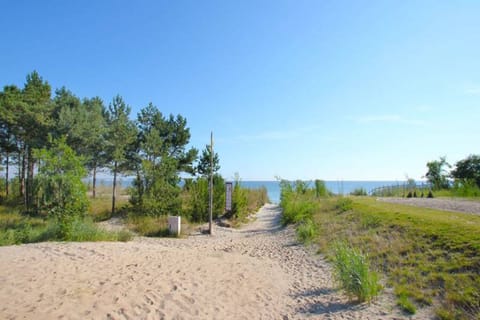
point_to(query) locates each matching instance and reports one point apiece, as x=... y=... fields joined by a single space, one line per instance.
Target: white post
x=174 y=225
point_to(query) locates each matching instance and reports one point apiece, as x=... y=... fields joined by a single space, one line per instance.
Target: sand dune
x=257 y=272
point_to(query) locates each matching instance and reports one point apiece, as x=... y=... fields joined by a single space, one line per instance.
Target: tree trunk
x=30 y=168
x=23 y=194
x=6 y=173
x=114 y=187
x=94 y=182
x=139 y=187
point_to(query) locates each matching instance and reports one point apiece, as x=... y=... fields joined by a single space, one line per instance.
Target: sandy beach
x=256 y=272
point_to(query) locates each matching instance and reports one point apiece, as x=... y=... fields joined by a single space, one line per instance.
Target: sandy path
x=257 y=272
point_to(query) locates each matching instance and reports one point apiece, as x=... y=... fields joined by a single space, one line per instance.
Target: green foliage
x=239 y=202
x=437 y=174
x=427 y=256
x=85 y=127
x=301 y=187
x=85 y=230
x=149 y=226
x=406 y=305
x=468 y=169
x=296 y=210
x=320 y=188
x=161 y=145
x=306 y=231
x=60 y=191
x=16 y=228
x=160 y=190
x=121 y=135
x=197 y=198
x=359 y=192
x=353 y=273
x=294 y=201
x=256 y=198
x=204 y=163
x=344 y=204
x=466 y=188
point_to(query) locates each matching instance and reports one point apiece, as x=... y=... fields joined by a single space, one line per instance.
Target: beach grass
x=352 y=272
x=427 y=256
x=148 y=226
x=17 y=228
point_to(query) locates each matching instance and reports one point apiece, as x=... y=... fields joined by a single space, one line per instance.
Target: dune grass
x=352 y=271
x=17 y=228
x=426 y=255
x=148 y=226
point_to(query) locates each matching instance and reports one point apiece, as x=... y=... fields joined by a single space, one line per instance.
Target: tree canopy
x=36 y=130
x=468 y=169
x=437 y=174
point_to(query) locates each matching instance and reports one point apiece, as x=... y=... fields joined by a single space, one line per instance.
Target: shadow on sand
x=318 y=308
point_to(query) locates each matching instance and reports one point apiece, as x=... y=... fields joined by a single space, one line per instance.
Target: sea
x=273 y=187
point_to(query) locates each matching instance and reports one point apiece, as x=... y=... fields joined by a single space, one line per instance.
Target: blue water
x=337 y=187
x=273 y=187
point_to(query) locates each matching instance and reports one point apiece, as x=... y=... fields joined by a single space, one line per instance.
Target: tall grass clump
x=306 y=231
x=353 y=273
x=344 y=204
x=321 y=189
x=85 y=230
x=256 y=198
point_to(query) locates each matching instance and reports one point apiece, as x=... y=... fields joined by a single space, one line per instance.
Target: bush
x=239 y=202
x=466 y=188
x=297 y=210
x=359 y=192
x=353 y=273
x=59 y=189
x=344 y=204
x=196 y=198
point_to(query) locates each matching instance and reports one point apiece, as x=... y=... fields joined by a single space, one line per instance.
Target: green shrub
x=353 y=273
x=59 y=189
x=196 y=198
x=306 y=231
x=370 y=222
x=297 y=210
x=359 y=192
x=239 y=202
x=344 y=204
x=466 y=188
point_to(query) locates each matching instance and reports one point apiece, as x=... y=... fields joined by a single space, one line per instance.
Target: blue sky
x=336 y=90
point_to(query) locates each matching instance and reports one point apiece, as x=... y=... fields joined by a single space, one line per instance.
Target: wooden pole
x=210 y=225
